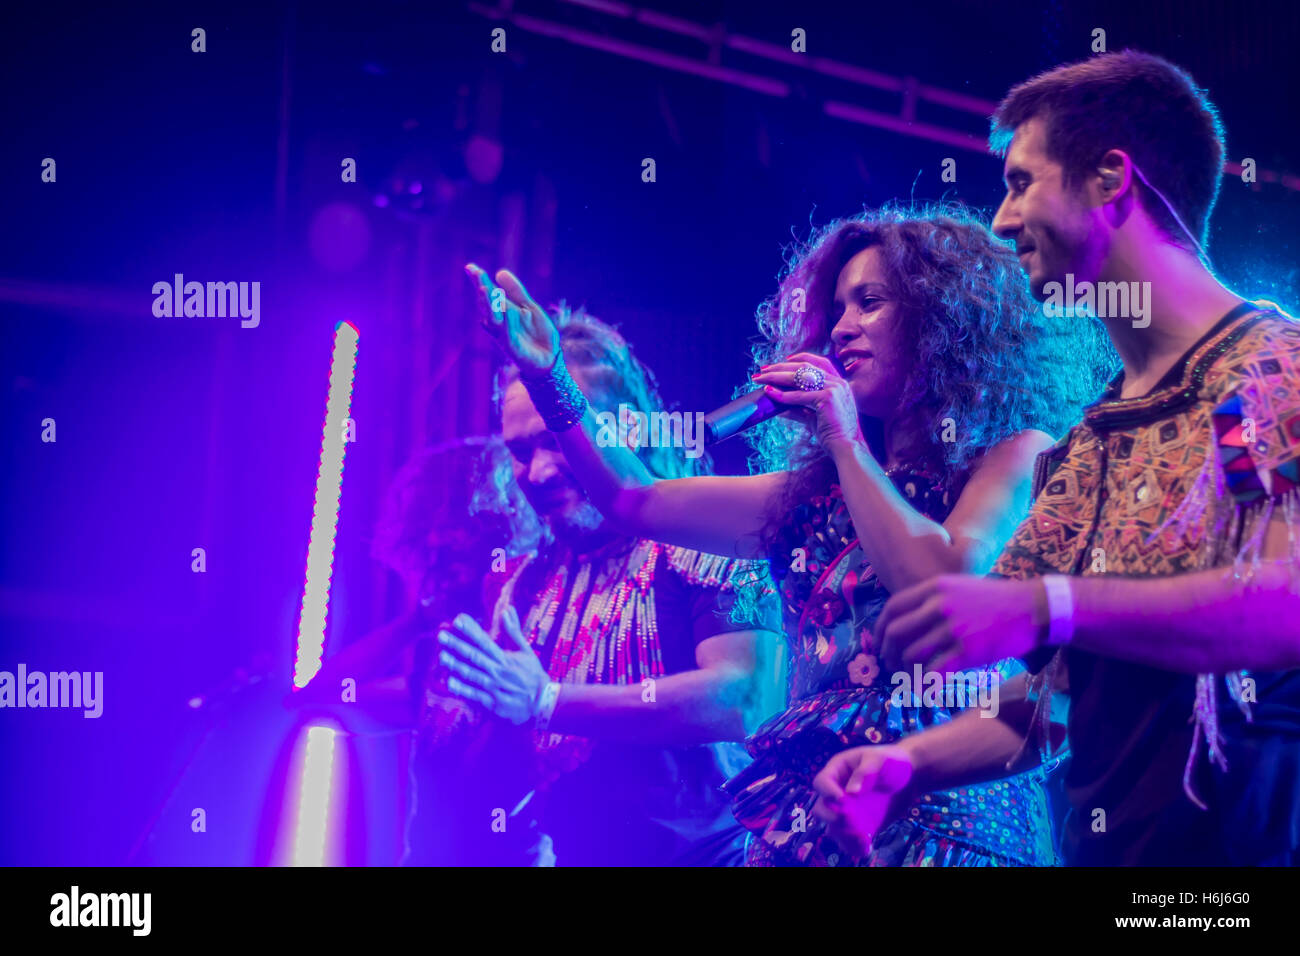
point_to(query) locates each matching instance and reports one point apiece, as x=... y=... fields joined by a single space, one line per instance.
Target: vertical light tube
x=311 y=829
x=325 y=509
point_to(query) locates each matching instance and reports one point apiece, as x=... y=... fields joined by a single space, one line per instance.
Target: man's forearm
x=694 y=707
x=1192 y=623
x=974 y=748
x=608 y=471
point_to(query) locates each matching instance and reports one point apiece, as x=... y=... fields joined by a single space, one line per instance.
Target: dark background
x=183 y=433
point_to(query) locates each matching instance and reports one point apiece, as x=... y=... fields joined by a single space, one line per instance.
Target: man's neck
x=1183 y=303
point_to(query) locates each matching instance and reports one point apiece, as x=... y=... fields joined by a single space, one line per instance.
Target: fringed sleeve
x=751 y=595
x=1251 y=476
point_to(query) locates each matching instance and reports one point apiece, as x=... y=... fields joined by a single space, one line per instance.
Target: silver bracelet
x=1060 y=609
x=546 y=702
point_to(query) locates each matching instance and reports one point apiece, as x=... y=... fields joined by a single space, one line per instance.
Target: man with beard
x=1156 y=580
x=609 y=668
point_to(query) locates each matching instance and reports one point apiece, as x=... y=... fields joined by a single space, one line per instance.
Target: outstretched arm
x=719 y=700
x=863 y=789
x=716 y=514
x=1204 y=622
x=1194 y=623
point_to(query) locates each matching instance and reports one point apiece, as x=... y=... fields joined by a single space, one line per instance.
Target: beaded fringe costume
x=609 y=632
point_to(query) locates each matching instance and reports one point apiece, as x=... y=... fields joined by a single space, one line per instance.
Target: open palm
x=518 y=324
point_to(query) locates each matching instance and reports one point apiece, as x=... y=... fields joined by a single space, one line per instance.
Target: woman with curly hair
x=923 y=382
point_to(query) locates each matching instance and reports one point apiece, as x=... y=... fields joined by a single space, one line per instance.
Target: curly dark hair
x=986 y=356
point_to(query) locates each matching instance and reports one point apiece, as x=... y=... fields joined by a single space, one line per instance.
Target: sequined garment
x=625 y=614
x=609 y=631
x=841 y=698
x=1183 y=479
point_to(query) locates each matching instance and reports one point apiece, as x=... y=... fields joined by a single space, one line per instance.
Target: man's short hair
x=1132 y=101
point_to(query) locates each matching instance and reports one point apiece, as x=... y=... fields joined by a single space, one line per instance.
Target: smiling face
x=1055 y=229
x=540 y=468
x=866 y=335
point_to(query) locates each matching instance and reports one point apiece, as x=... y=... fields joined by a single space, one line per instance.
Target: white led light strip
x=312 y=826
x=314 y=798
x=325 y=510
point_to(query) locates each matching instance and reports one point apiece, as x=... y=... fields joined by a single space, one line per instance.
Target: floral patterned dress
x=840 y=698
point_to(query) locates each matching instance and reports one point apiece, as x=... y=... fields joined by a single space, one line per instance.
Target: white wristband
x=546 y=702
x=1060 y=609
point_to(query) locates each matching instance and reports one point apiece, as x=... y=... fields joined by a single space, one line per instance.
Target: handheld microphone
x=736 y=416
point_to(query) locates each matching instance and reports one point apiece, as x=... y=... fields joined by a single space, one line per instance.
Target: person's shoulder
x=701 y=572
x=1050 y=459
x=1258 y=362
x=1255 y=393
x=1267 y=346
x=721 y=593
x=702 y=569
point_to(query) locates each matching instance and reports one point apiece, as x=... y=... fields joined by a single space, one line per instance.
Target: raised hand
x=518 y=324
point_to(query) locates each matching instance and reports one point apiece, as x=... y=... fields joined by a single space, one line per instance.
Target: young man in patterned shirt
x=1156 y=581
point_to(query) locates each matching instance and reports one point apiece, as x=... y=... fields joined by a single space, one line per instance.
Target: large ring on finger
x=809 y=378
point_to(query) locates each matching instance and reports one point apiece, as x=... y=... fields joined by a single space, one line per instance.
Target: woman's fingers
x=515 y=290
x=514 y=319
x=815 y=360
x=791 y=366
x=504 y=305
x=485 y=287
x=786 y=378
x=793 y=396
x=781 y=379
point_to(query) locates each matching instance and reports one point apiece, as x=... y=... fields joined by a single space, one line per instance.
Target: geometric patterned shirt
x=1171 y=768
